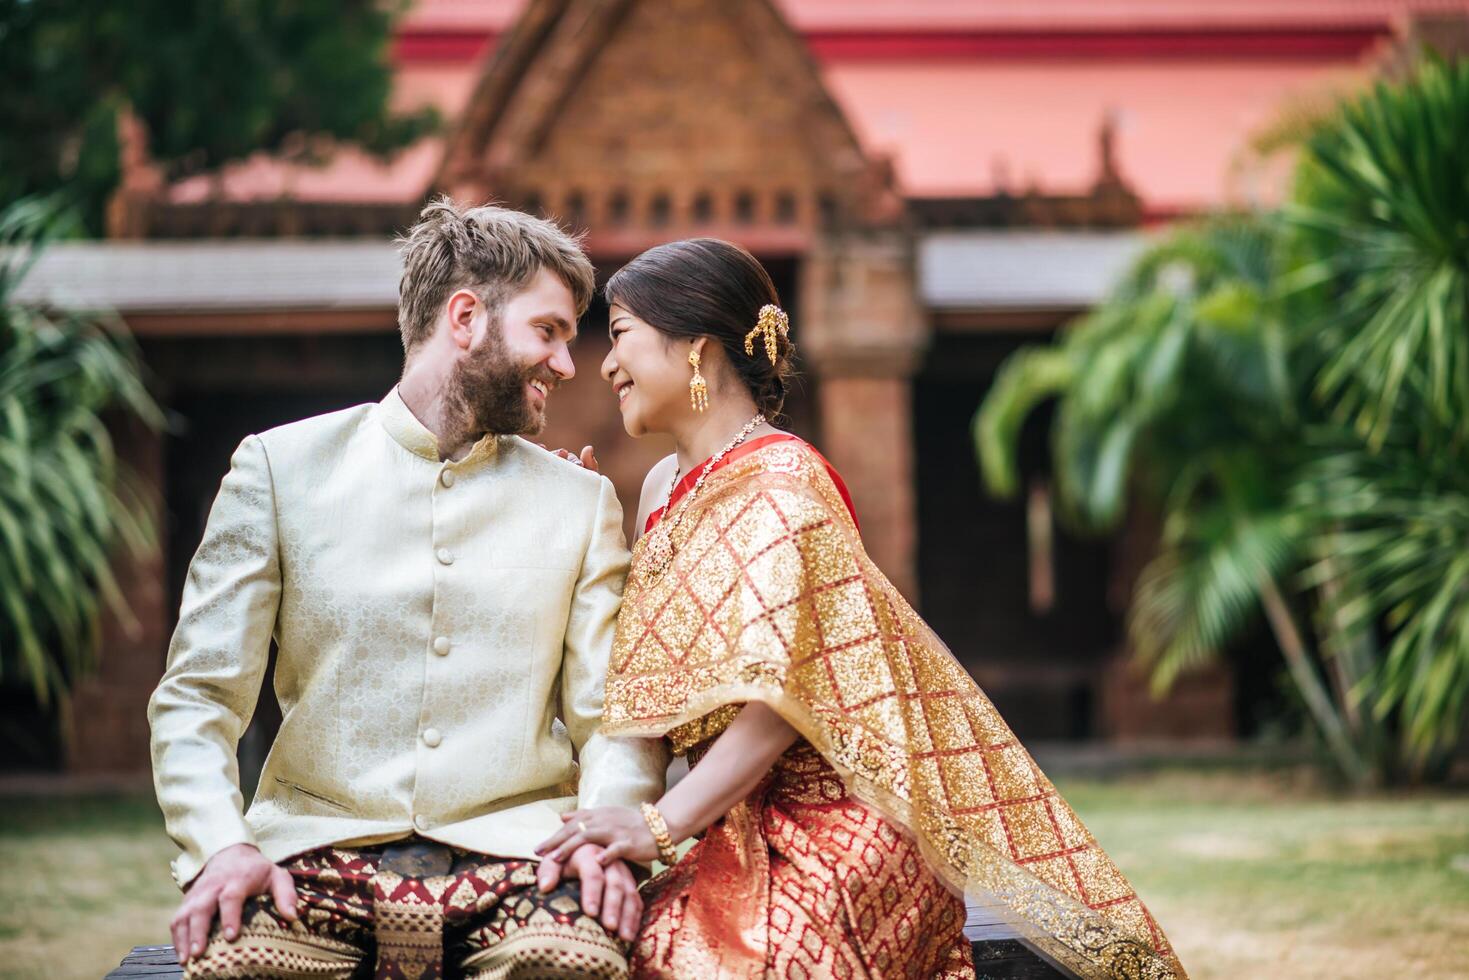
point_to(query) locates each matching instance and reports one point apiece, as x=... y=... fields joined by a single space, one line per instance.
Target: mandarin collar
x=408 y=432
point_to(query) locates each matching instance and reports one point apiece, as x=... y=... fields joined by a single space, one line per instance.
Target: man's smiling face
x=519 y=357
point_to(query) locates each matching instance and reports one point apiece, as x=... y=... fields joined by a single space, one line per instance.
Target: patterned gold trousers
x=416 y=911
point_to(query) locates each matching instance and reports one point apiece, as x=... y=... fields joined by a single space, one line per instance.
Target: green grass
x=1253 y=875
x=1260 y=876
x=88 y=880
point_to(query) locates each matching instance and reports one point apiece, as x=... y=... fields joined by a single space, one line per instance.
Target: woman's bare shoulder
x=655 y=488
x=660 y=473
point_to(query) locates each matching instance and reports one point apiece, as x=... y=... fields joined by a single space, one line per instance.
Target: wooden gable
x=662 y=117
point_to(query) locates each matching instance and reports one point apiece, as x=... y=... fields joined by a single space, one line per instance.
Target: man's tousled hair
x=488 y=249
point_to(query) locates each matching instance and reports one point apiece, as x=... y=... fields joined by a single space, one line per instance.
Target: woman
x=850 y=779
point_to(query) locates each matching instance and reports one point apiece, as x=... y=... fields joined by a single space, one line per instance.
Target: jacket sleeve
x=614 y=771
x=216 y=664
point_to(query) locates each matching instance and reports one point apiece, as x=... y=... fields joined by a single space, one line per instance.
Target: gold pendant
x=657 y=551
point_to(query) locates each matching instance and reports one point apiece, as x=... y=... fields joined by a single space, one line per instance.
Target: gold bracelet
x=659 y=829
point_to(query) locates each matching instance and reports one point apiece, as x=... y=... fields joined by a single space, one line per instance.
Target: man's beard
x=489 y=390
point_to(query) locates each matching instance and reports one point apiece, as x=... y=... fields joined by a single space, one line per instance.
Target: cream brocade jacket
x=443 y=632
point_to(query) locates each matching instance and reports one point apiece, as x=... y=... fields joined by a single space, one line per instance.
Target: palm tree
x=65 y=502
x=1381 y=213
x=1183 y=387
x=1291 y=393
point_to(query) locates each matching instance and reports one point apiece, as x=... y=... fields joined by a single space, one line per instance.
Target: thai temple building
x=932 y=183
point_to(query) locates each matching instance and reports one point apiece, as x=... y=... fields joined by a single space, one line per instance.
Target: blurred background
x=1138 y=328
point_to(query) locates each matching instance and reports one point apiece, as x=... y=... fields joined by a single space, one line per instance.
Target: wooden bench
x=998 y=952
x=149 y=961
x=998 y=955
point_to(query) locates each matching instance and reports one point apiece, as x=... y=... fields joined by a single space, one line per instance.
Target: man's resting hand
x=232 y=875
x=612 y=890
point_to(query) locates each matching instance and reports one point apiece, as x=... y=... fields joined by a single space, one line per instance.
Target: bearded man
x=443 y=596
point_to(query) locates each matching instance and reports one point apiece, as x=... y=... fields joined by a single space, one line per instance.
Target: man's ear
x=461 y=308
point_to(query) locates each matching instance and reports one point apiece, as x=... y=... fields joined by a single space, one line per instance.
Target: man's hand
x=231 y=876
x=612 y=890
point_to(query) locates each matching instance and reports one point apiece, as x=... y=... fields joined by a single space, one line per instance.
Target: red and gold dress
x=905 y=790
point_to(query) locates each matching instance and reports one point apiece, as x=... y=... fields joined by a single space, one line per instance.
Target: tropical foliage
x=210 y=82
x=1291 y=390
x=65 y=502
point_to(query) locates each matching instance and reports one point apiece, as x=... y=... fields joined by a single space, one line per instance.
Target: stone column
x=863 y=333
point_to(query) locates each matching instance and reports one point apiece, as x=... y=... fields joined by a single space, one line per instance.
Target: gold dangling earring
x=698 y=390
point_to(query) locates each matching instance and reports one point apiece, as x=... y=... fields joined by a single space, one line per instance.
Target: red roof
x=971 y=97
x=910 y=15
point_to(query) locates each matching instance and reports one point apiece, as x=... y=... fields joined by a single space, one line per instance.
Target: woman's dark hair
x=705 y=287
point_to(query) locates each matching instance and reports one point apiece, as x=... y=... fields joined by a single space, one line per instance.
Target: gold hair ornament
x=698 y=390
x=772 y=321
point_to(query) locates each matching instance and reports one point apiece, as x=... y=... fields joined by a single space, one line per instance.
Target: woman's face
x=648 y=371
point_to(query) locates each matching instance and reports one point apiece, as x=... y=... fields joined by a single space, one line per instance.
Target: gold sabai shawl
x=771 y=597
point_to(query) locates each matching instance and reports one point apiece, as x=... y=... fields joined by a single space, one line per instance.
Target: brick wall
x=106 y=723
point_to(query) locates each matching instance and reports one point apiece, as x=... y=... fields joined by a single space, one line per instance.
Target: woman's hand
x=733 y=767
x=620 y=829
x=588 y=458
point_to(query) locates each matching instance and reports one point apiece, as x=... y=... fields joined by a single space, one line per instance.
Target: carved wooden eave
x=645 y=120
x=1111 y=202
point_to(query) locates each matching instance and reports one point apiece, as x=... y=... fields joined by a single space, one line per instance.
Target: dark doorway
x=1039 y=663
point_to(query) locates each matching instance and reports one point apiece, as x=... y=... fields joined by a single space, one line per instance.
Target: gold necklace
x=658 y=548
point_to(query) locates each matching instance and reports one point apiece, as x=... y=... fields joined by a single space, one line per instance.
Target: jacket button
x=447 y=478
x=441 y=646
x=432 y=737
x=446 y=557
x=422 y=822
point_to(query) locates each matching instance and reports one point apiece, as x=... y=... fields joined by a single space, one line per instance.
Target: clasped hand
x=621 y=830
